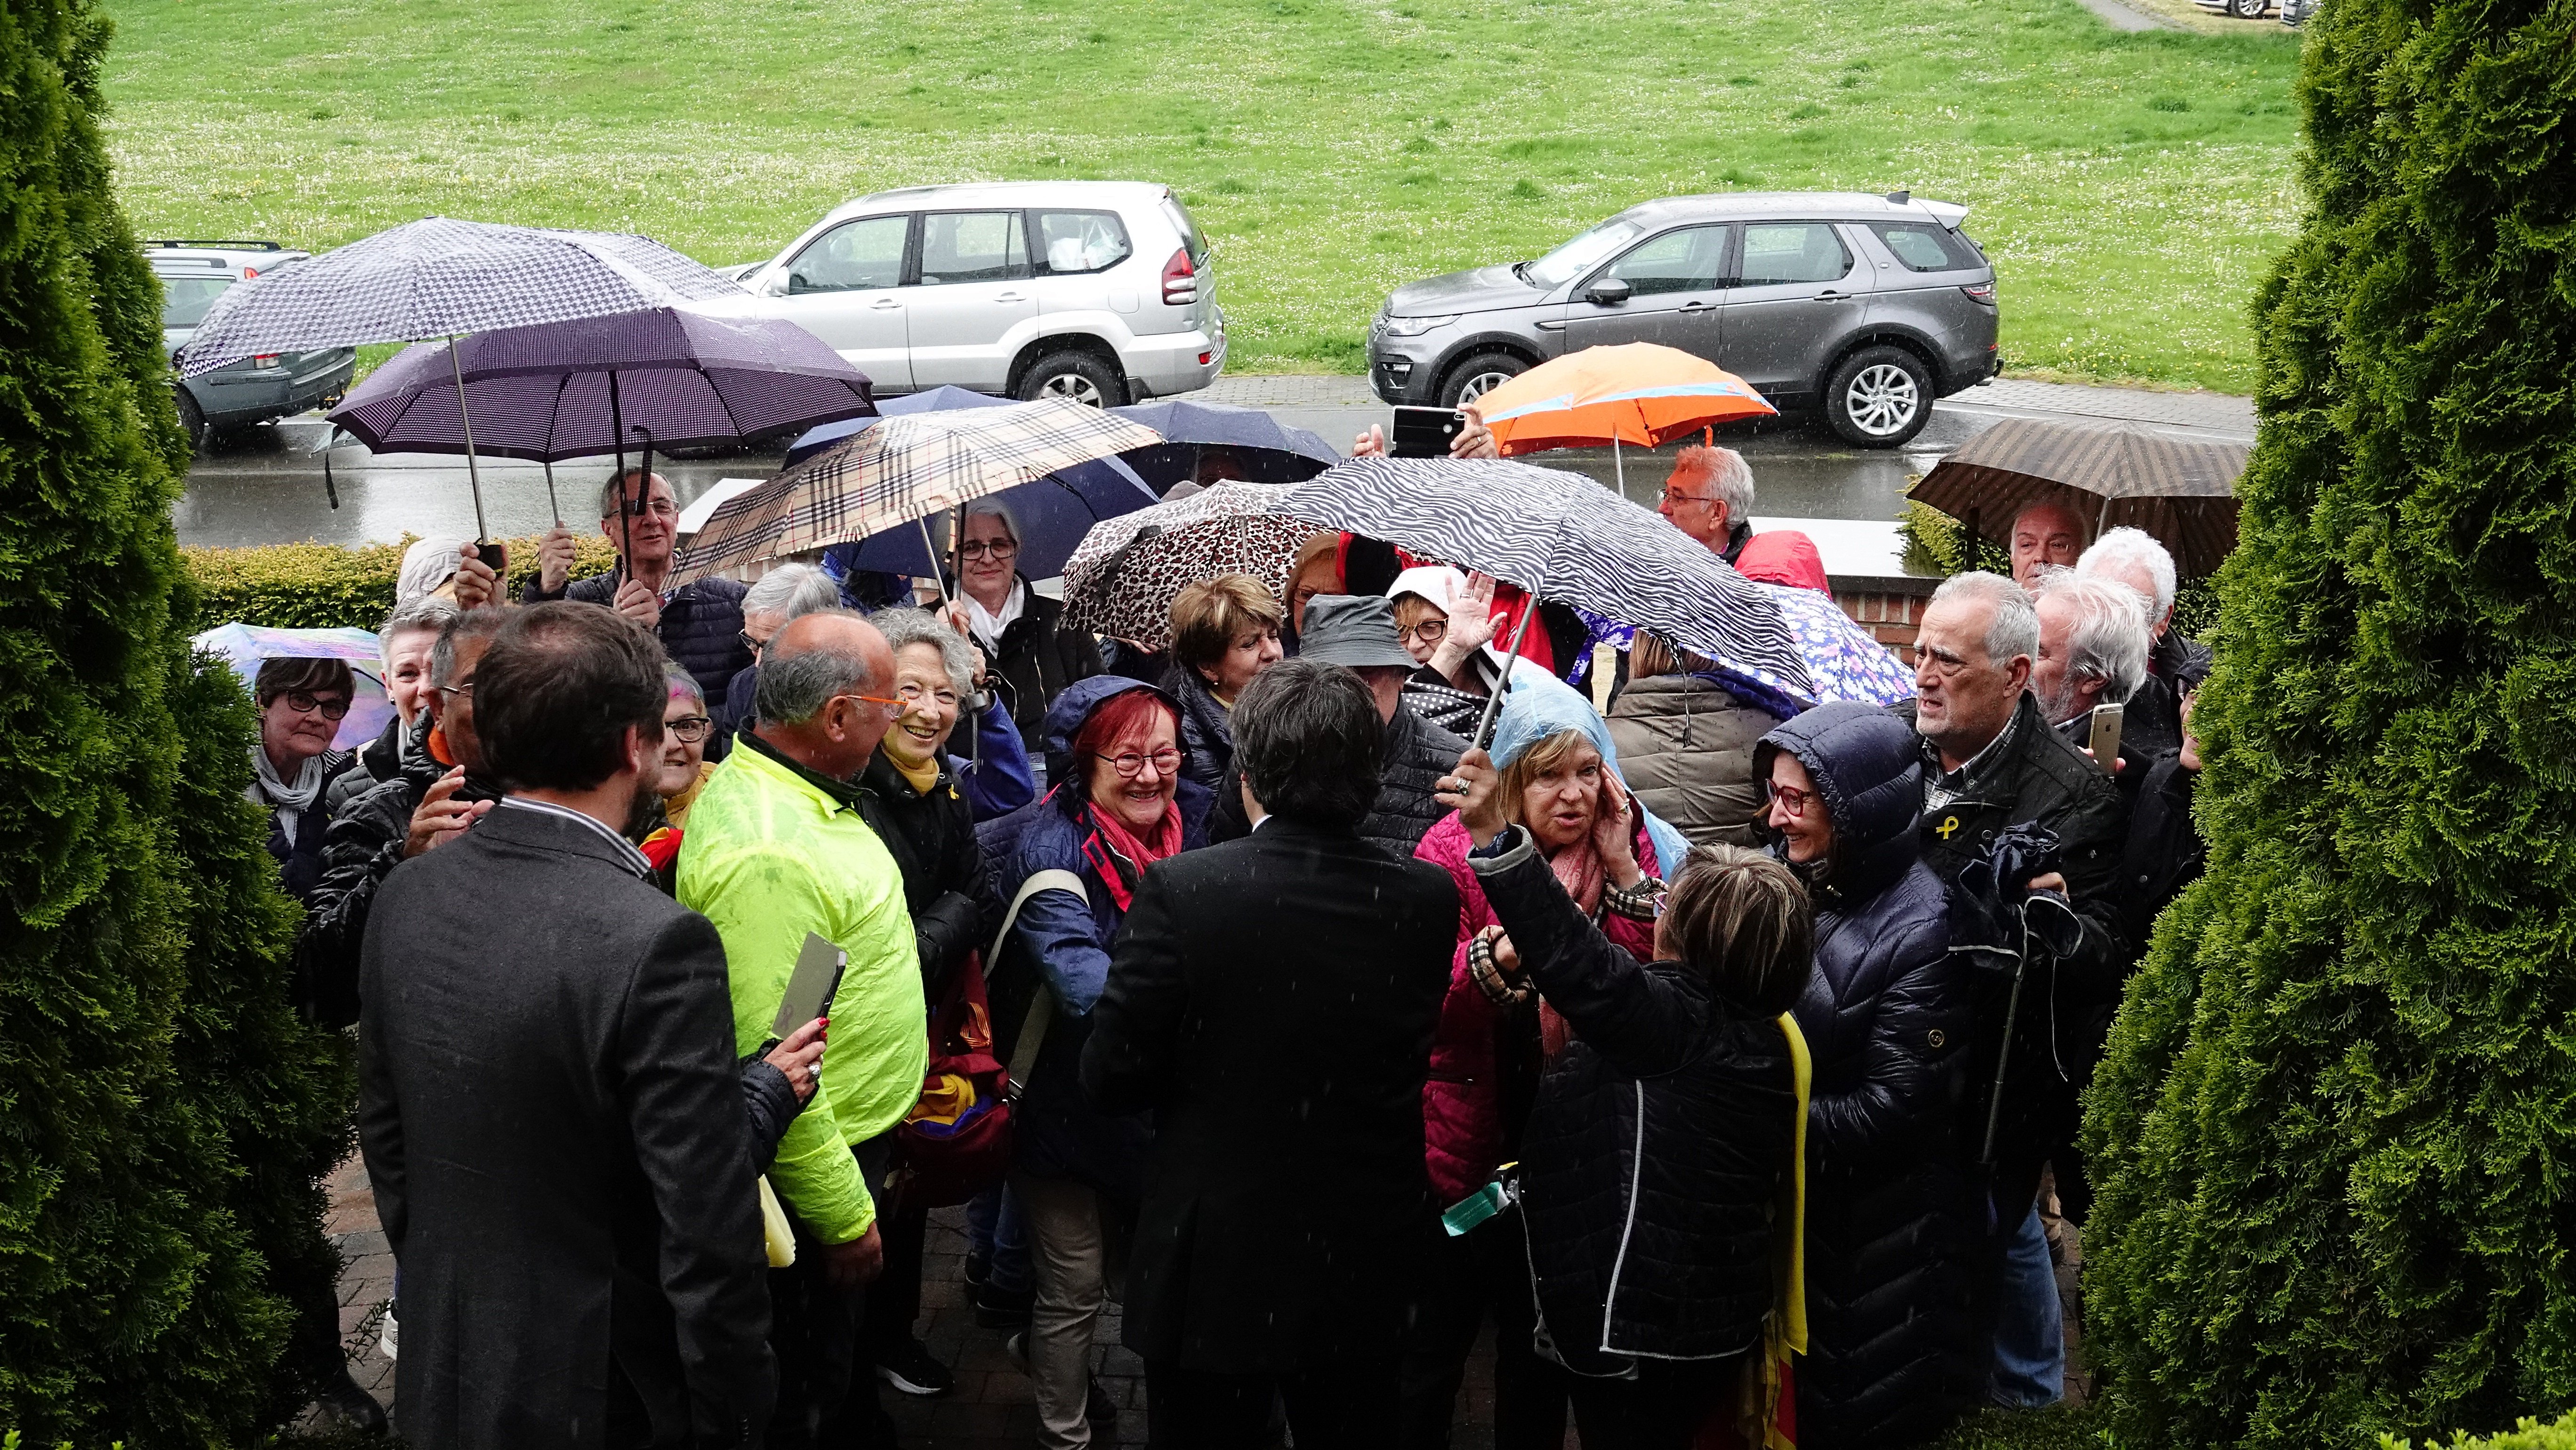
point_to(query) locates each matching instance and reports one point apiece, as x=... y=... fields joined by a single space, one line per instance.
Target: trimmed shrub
x=2333 y=1133
x=326 y=586
x=161 y=1109
x=2528 y=1435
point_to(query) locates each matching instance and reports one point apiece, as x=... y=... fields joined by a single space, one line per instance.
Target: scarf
x=1580 y=871
x=1113 y=849
x=289 y=801
x=986 y=625
x=921 y=778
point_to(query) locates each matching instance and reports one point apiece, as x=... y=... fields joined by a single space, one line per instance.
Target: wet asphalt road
x=265 y=486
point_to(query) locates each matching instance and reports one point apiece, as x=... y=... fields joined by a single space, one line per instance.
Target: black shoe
x=979 y=1270
x=911 y=1370
x=349 y=1406
x=1000 y=1308
x=1102 y=1414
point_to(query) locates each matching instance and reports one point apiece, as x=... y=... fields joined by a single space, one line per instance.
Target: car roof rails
x=1901 y=196
x=223 y=246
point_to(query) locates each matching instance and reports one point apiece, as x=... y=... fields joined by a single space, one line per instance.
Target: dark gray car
x=256 y=389
x=1865 y=308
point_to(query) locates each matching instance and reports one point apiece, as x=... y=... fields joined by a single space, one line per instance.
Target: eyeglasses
x=1131 y=763
x=893 y=708
x=998 y=548
x=912 y=694
x=304 y=702
x=466 y=689
x=689 y=728
x=1675 y=497
x=658 y=508
x=1787 y=797
x=1429 y=631
x=753 y=645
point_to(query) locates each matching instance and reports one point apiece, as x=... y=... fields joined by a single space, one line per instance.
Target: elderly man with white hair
x=1710 y=497
x=787 y=592
x=2176 y=664
x=1991 y=762
x=2092 y=648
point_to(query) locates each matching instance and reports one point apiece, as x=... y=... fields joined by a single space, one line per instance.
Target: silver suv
x=256 y=389
x=1099 y=291
x=1867 y=307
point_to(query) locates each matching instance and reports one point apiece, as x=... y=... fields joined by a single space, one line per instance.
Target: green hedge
x=2333 y=1133
x=2530 y=1434
x=326 y=586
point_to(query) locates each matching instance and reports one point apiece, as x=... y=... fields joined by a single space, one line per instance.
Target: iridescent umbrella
x=247 y=646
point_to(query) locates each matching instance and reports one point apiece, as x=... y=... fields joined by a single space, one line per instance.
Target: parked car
x=254 y=390
x=1866 y=307
x=1099 y=291
x=2241 y=9
x=2294 y=13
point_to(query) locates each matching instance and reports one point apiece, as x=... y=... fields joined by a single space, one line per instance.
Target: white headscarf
x=289 y=801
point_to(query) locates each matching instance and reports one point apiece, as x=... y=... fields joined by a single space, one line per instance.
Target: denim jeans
x=994 y=1231
x=2030 y=1330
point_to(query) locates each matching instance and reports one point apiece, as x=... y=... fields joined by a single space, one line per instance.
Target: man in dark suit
x=551 y=1113
x=1273 y=999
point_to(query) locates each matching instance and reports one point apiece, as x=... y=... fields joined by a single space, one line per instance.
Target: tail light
x=1982 y=291
x=264 y=360
x=249 y=272
x=1180 y=280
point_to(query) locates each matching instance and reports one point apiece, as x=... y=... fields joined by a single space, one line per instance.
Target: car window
x=1581 y=254
x=1923 y=247
x=1193 y=240
x=1080 y=241
x=1682 y=261
x=186 y=300
x=856 y=255
x=1777 y=252
x=972 y=246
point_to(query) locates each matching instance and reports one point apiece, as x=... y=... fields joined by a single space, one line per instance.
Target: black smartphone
x=493 y=554
x=1426 y=432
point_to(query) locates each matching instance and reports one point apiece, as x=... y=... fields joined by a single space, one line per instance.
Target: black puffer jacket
x=946 y=887
x=2038 y=777
x=701 y=630
x=364 y=845
x=1686 y=749
x=1207 y=730
x=1414 y=755
x=379 y=759
x=1655 y=1153
x=1037 y=658
x=1884 y=1017
x=2175 y=667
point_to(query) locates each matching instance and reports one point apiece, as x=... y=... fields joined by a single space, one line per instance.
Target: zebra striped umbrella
x=1121 y=581
x=1562 y=536
x=900 y=470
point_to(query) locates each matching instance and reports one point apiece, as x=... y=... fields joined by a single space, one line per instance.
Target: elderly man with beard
x=2092 y=651
x=1992 y=762
x=2176 y=663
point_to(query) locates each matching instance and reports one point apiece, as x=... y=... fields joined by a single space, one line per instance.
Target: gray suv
x=256 y=389
x=1864 y=307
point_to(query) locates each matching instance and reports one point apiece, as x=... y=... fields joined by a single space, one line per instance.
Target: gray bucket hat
x=1357 y=630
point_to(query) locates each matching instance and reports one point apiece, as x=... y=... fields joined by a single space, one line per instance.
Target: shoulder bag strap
x=1024 y=1054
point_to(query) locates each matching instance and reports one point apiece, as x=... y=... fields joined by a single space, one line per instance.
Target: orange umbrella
x=1634 y=392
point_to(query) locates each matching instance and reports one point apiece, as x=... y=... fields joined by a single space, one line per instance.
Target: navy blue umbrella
x=1050 y=515
x=1262 y=449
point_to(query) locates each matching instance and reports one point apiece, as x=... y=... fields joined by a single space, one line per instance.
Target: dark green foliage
x=2061 y=1427
x=2333 y=1134
x=160 y=1108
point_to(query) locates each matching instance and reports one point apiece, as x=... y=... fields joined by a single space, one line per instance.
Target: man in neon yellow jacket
x=776 y=848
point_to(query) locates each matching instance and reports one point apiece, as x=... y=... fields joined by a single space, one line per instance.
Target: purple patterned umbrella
x=596 y=385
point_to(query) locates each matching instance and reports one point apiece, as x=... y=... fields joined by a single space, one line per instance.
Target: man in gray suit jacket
x=550 y=1108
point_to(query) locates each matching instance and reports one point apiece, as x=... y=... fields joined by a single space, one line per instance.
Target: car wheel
x=2248 y=9
x=1880 y=397
x=1076 y=376
x=1478 y=376
x=192 y=420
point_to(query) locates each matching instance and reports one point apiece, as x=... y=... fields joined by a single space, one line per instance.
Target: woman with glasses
x=1021 y=631
x=1890 y=1359
x=1686 y=744
x=1120 y=804
x=685 y=727
x=301 y=705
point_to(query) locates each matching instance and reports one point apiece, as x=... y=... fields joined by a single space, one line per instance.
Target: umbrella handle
x=932 y=550
x=1485 y=726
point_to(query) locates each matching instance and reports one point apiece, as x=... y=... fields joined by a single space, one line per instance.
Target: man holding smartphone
x=2092 y=656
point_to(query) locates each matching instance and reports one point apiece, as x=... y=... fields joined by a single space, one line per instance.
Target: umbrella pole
x=932 y=550
x=1617 y=466
x=625 y=515
x=1485 y=727
x=473 y=477
x=550 y=493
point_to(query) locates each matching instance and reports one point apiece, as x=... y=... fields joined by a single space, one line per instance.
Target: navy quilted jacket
x=701 y=631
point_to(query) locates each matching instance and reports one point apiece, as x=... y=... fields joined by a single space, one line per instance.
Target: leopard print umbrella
x=1122 y=579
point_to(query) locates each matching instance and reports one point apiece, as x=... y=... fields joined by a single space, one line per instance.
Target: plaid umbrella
x=1562 y=536
x=1121 y=581
x=900 y=470
x=2182 y=490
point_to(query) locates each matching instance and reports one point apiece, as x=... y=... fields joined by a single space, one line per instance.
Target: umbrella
x=1121 y=581
x=247 y=646
x=1268 y=450
x=442 y=278
x=1843 y=659
x=571 y=389
x=901 y=471
x=2182 y=490
x=1050 y=515
x=1636 y=392
x=1562 y=536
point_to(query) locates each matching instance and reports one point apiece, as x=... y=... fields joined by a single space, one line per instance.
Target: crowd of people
x=1724 y=1065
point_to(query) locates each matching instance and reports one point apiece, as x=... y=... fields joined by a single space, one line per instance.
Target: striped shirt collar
x=627 y=856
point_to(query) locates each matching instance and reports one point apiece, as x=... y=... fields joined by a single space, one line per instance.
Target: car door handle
x=1698 y=306
x=886 y=304
x=1010 y=297
x=1549 y=326
x=1832 y=294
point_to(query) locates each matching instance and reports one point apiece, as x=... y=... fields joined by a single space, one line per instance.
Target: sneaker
x=979 y=1270
x=1000 y=1308
x=387 y=1341
x=912 y=1371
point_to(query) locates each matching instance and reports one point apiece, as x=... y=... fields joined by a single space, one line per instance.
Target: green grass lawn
x=2130 y=187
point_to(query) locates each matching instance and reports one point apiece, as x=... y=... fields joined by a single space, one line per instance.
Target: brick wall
x=1889 y=617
